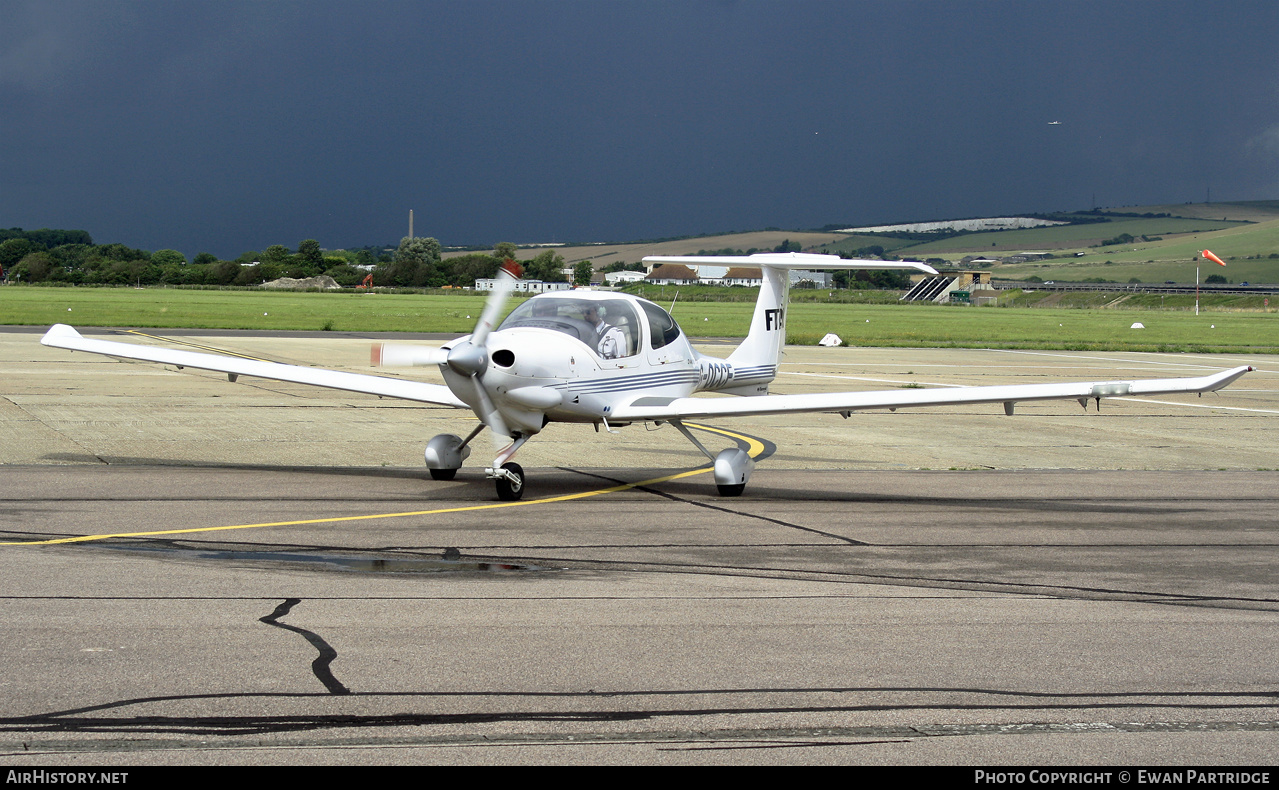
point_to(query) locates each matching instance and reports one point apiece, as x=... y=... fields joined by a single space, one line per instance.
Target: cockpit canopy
x=575 y=317
x=662 y=329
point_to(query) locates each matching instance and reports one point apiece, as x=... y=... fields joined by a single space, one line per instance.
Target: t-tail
x=753 y=365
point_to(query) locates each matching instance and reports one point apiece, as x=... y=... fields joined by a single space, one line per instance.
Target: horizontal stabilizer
x=788 y=260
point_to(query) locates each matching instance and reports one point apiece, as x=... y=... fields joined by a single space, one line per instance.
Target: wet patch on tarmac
x=450 y=562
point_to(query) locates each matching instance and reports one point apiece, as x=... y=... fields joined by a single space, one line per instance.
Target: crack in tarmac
x=320 y=666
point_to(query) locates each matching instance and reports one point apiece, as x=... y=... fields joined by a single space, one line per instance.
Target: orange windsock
x=1208 y=254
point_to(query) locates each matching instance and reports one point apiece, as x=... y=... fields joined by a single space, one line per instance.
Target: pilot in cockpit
x=609 y=339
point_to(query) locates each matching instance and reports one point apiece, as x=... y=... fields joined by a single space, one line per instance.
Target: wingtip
x=59 y=331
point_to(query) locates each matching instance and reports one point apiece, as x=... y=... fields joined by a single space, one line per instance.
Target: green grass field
x=239 y=309
x=1172 y=329
x=1039 y=328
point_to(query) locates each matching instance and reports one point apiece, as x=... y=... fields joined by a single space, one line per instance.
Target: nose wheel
x=510 y=482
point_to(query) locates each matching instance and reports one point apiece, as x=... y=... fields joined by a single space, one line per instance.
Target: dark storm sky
x=229 y=126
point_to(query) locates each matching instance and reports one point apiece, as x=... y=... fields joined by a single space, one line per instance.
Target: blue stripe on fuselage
x=623 y=383
x=754 y=372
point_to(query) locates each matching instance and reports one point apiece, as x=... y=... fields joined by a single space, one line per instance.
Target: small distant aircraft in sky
x=613 y=359
x=1054 y=123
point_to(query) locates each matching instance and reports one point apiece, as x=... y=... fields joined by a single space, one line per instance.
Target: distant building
x=672 y=274
x=620 y=278
x=523 y=286
x=744 y=275
x=971 y=288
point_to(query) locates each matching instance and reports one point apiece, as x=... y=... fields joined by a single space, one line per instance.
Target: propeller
x=468 y=358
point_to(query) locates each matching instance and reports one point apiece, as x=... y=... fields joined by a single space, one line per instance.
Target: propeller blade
x=397 y=355
x=489 y=414
x=506 y=277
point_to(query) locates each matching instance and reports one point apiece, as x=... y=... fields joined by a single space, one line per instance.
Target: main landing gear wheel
x=443 y=474
x=732 y=469
x=511 y=488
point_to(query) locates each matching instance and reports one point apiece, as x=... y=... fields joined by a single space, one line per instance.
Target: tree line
x=71 y=257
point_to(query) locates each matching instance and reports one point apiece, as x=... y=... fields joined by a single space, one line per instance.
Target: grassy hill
x=1248 y=210
x=1163 y=247
x=1246 y=234
x=1069 y=238
x=1246 y=249
x=602 y=255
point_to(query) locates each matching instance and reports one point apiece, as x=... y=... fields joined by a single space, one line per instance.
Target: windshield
x=610 y=327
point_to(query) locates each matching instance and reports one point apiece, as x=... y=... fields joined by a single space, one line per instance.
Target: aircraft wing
x=659 y=409
x=63 y=336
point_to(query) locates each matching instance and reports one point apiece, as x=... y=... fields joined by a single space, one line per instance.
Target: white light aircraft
x=613 y=359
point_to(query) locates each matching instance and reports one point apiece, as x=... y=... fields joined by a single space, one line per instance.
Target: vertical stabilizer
x=763 y=344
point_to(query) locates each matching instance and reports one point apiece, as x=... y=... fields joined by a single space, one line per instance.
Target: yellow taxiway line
x=756 y=447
